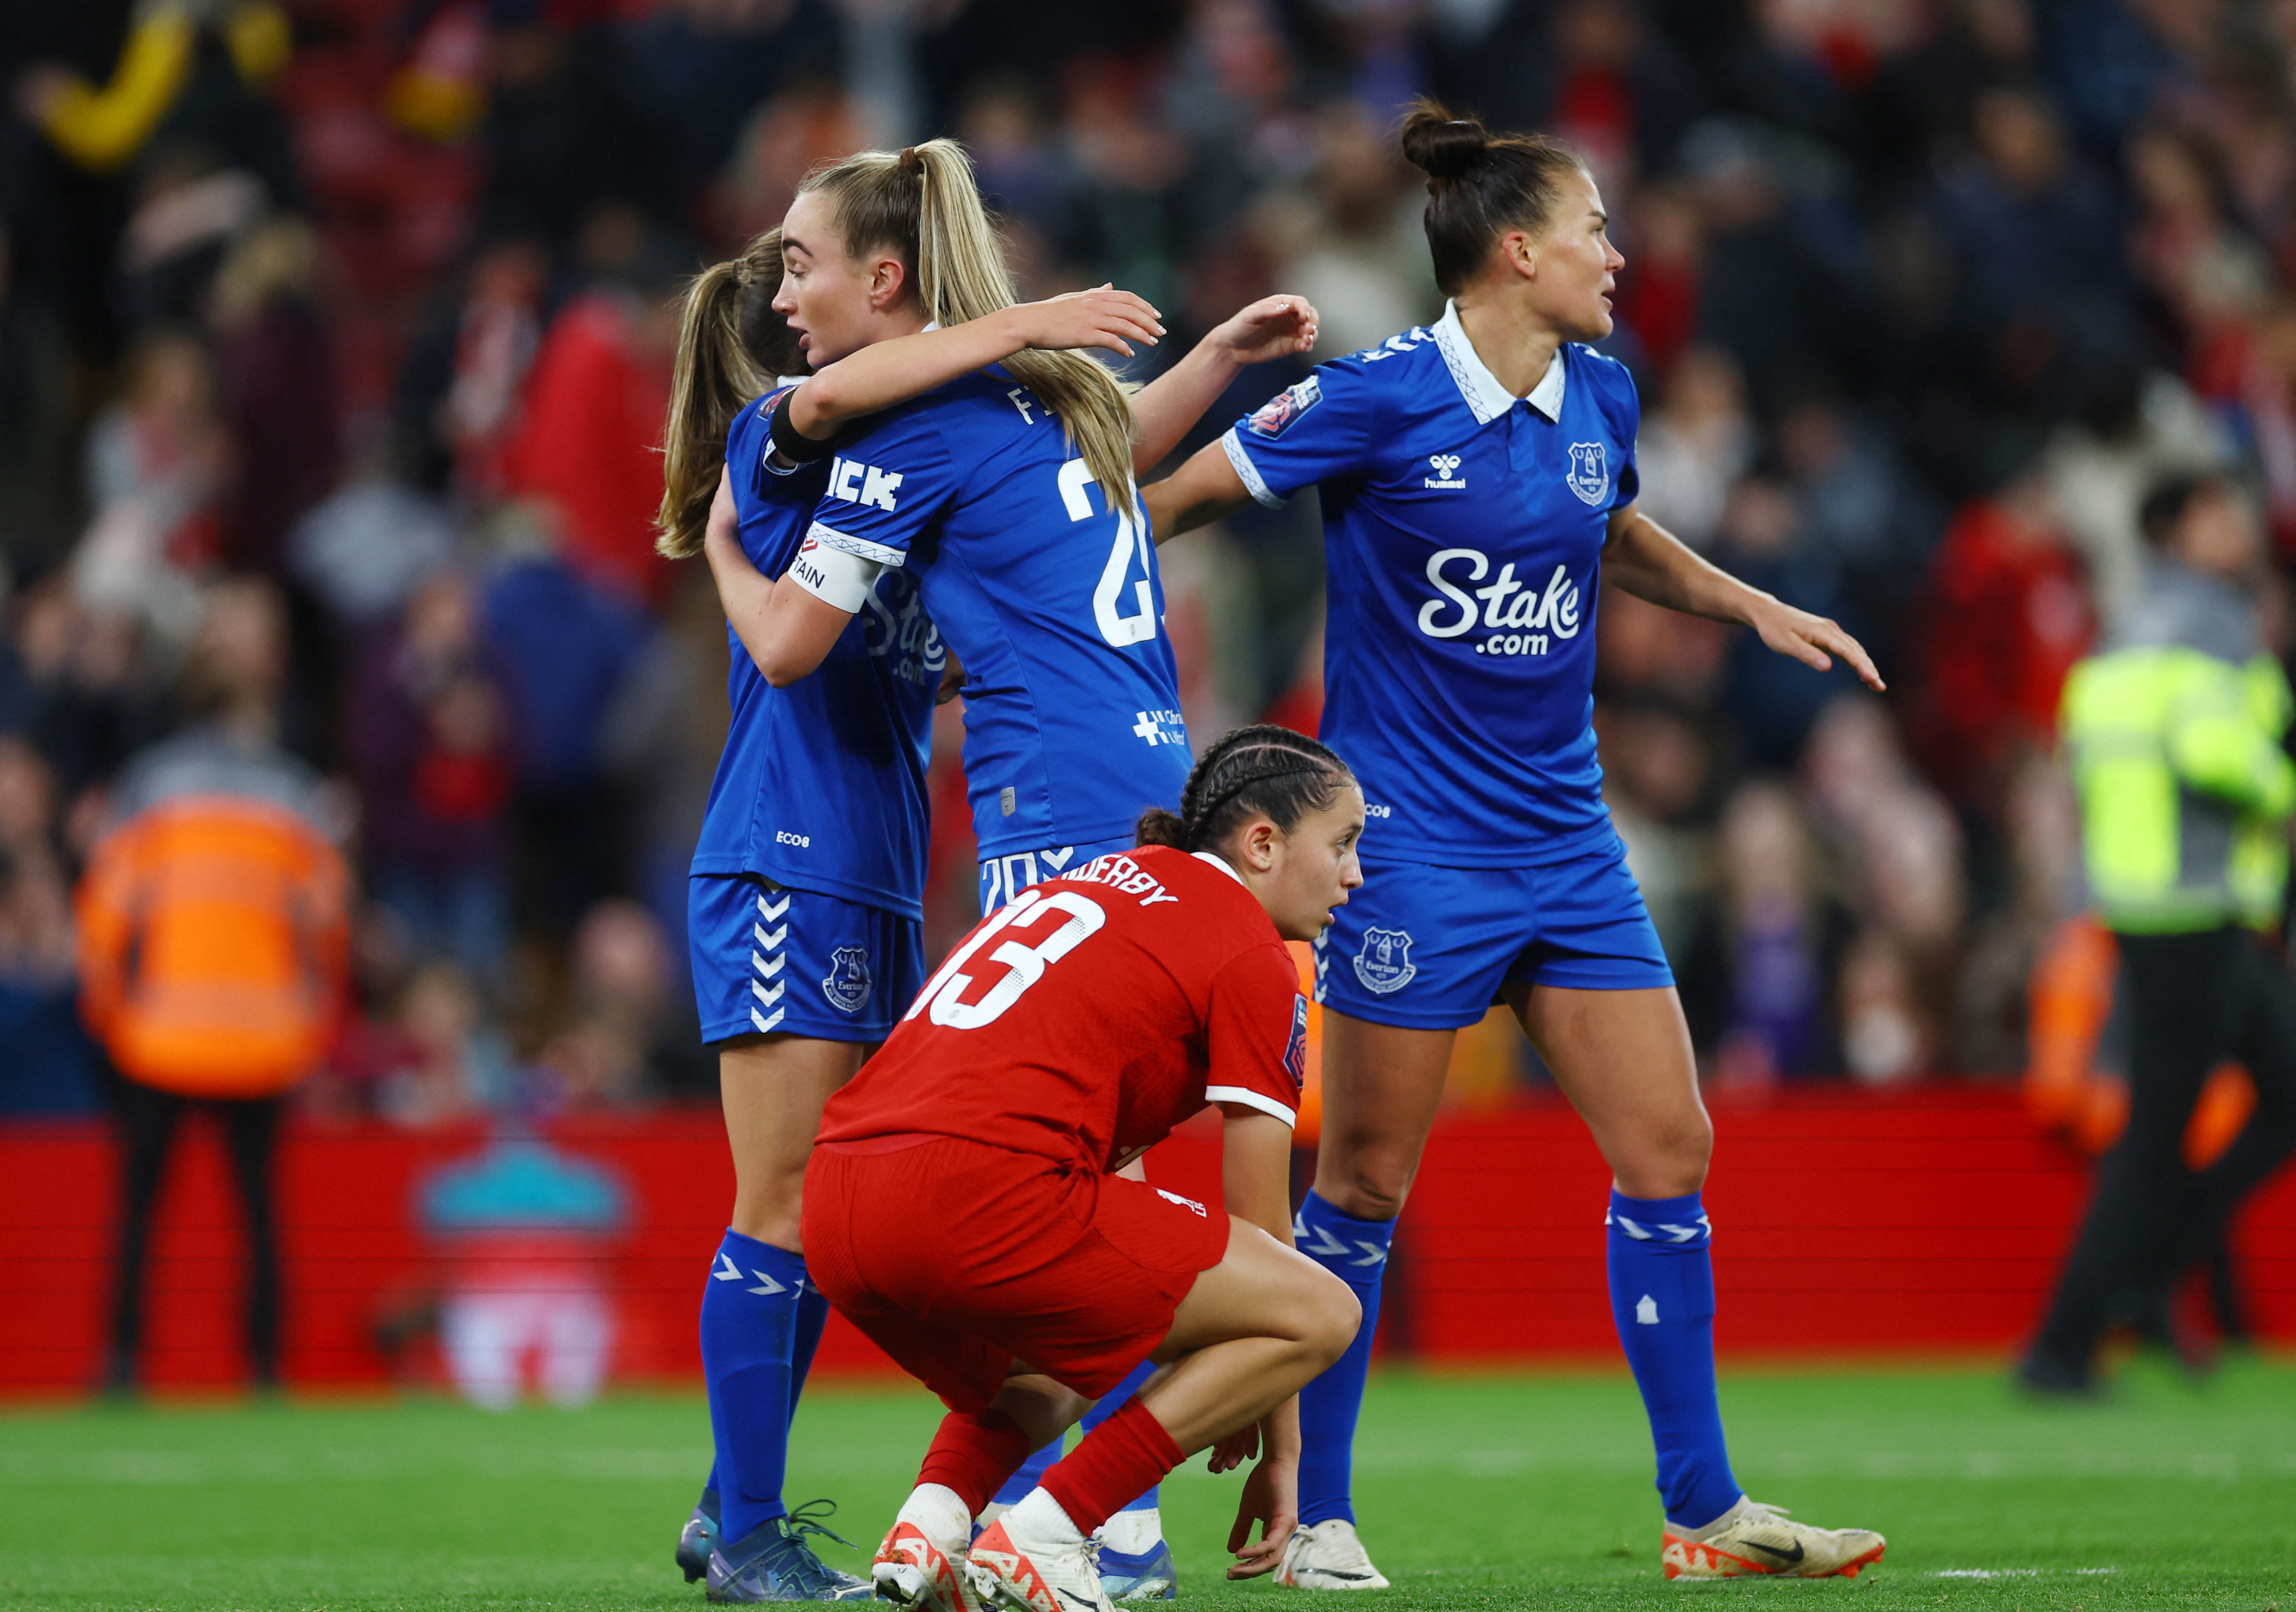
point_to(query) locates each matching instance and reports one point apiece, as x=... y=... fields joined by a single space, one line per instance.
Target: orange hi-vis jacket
x=212 y=921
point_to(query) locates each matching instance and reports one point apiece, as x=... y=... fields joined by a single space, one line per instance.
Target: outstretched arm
x=888 y=372
x=1650 y=562
x=1274 y=327
x=786 y=630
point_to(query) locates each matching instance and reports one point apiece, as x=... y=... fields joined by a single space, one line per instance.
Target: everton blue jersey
x=1047 y=590
x=823 y=783
x=1464 y=529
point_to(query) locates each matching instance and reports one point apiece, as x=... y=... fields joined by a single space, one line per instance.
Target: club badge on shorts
x=1383 y=962
x=847 y=983
x=1590 y=472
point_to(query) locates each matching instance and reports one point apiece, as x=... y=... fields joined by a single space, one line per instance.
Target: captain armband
x=835 y=577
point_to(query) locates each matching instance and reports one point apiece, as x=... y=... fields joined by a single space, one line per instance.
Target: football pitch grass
x=1498 y=1491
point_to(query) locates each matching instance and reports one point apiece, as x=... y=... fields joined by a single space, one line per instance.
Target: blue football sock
x=708 y=1501
x=749 y=1338
x=1662 y=1299
x=1108 y=1405
x=1355 y=1252
x=812 y=1316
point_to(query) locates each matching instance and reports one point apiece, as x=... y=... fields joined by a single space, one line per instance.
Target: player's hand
x=1236 y=1449
x=1271 y=1498
x=1812 y=639
x=1102 y=317
x=1274 y=327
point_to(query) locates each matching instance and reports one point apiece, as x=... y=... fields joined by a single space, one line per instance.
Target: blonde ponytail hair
x=922 y=204
x=731 y=347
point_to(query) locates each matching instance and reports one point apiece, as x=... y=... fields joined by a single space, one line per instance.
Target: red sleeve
x=1257 y=1029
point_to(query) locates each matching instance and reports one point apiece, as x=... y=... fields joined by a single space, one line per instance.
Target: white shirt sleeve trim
x=1251 y=1100
x=835 y=577
x=829 y=536
x=1253 y=481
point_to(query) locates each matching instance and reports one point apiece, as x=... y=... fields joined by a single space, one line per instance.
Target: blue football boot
x=1147 y=1576
x=698 y=1538
x=775 y=1563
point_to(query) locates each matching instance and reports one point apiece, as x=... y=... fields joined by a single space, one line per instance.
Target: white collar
x=1220 y=861
x=1487 y=399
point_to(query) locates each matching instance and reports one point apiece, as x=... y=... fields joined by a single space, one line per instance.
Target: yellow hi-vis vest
x=2184 y=788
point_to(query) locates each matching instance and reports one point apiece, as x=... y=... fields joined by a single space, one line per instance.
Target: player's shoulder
x=1611 y=381
x=1352 y=384
x=1156 y=877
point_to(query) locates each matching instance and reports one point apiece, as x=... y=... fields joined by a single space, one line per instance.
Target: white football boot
x=1752 y=1540
x=1328 y=1557
x=1034 y=1559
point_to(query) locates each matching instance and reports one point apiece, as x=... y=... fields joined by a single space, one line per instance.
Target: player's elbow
x=780 y=668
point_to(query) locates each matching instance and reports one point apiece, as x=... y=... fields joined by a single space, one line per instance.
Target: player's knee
x=1374 y=1189
x=1330 y=1319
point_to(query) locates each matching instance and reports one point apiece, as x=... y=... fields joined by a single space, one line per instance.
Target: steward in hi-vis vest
x=2174 y=733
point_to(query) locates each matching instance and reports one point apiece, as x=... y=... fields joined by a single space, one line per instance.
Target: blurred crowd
x=361 y=310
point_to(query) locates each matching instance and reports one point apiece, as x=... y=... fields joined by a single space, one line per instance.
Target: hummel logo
x=728 y=1271
x=1446 y=471
x=776 y=909
x=1791 y=1559
x=1324 y=1243
x=769 y=1290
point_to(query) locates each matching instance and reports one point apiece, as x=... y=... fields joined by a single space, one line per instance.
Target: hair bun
x=1440 y=145
x=913 y=161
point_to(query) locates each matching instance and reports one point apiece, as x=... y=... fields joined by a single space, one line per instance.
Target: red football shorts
x=958 y=1259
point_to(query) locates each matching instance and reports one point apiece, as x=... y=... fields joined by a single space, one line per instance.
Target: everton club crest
x=1590 y=472
x=1384 y=962
x=848 y=982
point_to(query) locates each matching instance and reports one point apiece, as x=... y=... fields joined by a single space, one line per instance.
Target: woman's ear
x=1521 y=254
x=889 y=279
x=1259 y=845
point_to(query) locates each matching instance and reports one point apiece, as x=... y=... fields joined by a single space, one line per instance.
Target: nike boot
x=914 y=1572
x=1023 y=1568
x=1328 y=1557
x=1752 y=1540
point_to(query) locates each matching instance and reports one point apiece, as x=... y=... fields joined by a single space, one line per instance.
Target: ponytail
x=1261 y=771
x=922 y=203
x=731 y=346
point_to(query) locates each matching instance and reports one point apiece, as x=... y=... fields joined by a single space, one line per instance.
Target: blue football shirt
x=822 y=785
x=1463 y=530
x=1047 y=592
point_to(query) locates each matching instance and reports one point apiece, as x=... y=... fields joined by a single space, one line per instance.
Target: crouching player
x=963 y=1206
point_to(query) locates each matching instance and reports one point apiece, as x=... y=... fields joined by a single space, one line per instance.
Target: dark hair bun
x=1440 y=145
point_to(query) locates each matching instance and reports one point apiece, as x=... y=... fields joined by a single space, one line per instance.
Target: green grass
x=1475 y=1492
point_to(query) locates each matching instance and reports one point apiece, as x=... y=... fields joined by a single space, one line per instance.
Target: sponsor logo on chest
x=1521 y=618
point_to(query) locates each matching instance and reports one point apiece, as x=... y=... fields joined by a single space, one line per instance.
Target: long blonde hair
x=922 y=204
x=731 y=347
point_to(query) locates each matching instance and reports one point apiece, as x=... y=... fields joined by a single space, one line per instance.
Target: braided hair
x=1262 y=770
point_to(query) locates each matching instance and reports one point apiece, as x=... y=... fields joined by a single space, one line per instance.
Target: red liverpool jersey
x=1092 y=1015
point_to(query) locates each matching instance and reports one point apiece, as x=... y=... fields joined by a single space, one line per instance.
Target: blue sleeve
x=1624 y=405
x=886 y=487
x=749 y=456
x=1317 y=431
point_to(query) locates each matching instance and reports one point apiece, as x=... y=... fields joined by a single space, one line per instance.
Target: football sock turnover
x=1355 y=1252
x=749 y=1327
x=1662 y=1299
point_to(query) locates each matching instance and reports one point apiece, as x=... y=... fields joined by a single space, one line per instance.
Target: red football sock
x=1126 y=1455
x=975 y=1454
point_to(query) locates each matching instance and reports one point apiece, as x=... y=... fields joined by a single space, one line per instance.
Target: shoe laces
x=795 y=1564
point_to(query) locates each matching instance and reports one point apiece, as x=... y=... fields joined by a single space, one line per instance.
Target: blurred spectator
x=431 y=745
x=212 y=947
x=278 y=387
x=2133 y=427
x=36 y=423
x=1657 y=767
x=439 y=1060
x=632 y=1039
x=1755 y=988
x=2003 y=618
x=51 y=1065
x=1695 y=445
x=156 y=461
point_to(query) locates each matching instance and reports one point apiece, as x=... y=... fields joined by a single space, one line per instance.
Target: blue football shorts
x=1428 y=948
x=768 y=959
x=1002 y=877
